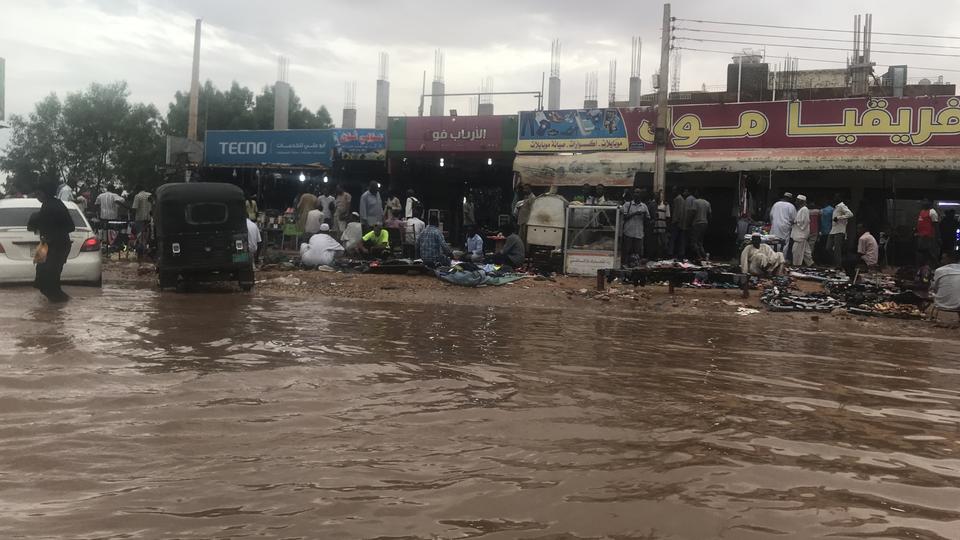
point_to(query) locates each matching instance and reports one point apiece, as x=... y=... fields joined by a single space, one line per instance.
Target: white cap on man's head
x=788 y=195
x=324 y=227
x=802 y=198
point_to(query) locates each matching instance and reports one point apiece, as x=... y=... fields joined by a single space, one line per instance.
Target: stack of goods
x=823 y=275
x=889 y=309
x=878 y=299
x=782 y=299
x=671 y=263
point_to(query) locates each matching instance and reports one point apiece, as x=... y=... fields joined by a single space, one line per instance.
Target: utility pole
x=739 y=75
x=660 y=134
x=194 y=86
x=423 y=91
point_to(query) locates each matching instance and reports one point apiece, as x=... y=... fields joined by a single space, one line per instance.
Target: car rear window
x=18 y=217
x=207 y=213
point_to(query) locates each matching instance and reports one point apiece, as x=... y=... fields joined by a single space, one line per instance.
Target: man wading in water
x=54 y=225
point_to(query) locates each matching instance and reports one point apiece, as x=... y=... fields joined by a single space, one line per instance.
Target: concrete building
x=634 y=98
x=756 y=82
x=350 y=106
x=382 y=111
x=281 y=105
x=438 y=88
x=553 y=90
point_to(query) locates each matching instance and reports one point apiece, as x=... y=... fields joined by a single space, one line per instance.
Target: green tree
x=140 y=147
x=217 y=109
x=238 y=108
x=34 y=151
x=299 y=117
x=94 y=137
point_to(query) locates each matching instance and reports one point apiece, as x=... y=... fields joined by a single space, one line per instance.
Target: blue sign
x=572 y=131
x=360 y=144
x=288 y=147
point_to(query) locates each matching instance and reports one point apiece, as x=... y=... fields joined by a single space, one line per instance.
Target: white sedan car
x=18 y=245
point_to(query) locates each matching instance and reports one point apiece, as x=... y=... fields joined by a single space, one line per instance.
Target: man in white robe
x=800 y=234
x=321 y=250
x=759 y=259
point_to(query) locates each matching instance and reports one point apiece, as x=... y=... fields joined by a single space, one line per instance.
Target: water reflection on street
x=132 y=414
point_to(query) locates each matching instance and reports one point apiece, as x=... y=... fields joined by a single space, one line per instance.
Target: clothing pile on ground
x=468 y=274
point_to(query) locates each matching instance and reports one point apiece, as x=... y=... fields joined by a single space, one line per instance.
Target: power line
x=817 y=38
x=806 y=28
x=765 y=55
x=789 y=45
x=817 y=60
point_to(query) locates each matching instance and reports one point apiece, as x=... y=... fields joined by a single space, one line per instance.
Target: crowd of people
x=797 y=235
x=796 y=232
x=806 y=236
x=654 y=227
x=122 y=219
x=334 y=230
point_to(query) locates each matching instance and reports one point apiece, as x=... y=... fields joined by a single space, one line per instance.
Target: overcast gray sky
x=62 y=46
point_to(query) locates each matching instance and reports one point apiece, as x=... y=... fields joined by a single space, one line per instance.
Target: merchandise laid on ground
x=876 y=295
x=677 y=273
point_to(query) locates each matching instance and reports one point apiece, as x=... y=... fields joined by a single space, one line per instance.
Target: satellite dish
x=924 y=82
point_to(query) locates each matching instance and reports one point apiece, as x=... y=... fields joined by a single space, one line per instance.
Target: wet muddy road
x=127 y=414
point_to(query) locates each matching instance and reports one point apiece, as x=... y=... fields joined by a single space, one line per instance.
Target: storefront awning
x=619 y=168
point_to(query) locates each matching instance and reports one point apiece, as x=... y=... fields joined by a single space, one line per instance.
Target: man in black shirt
x=54 y=225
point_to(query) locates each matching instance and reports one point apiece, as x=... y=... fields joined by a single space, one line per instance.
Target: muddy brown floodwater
x=131 y=414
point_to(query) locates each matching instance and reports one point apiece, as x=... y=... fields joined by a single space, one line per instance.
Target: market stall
x=592 y=239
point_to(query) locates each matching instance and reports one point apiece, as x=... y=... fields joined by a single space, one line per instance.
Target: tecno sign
x=243 y=148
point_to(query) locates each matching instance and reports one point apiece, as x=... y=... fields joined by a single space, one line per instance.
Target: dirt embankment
x=560 y=292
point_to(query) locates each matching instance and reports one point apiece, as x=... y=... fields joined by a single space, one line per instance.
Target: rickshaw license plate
x=241 y=257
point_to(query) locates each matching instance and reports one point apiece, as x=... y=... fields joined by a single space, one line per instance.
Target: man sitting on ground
x=322 y=249
x=352 y=236
x=475 y=245
x=867 y=248
x=945 y=286
x=412 y=228
x=431 y=246
x=866 y=256
x=759 y=259
x=513 y=252
x=376 y=243
x=314 y=220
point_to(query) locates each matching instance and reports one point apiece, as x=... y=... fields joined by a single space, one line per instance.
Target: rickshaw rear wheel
x=245 y=278
x=165 y=280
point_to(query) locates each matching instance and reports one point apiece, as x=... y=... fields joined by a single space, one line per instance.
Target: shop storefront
x=453 y=161
x=873 y=152
x=273 y=166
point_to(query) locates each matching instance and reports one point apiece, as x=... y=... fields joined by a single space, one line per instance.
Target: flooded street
x=130 y=414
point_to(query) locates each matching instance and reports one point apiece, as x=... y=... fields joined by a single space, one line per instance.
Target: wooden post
x=601 y=279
